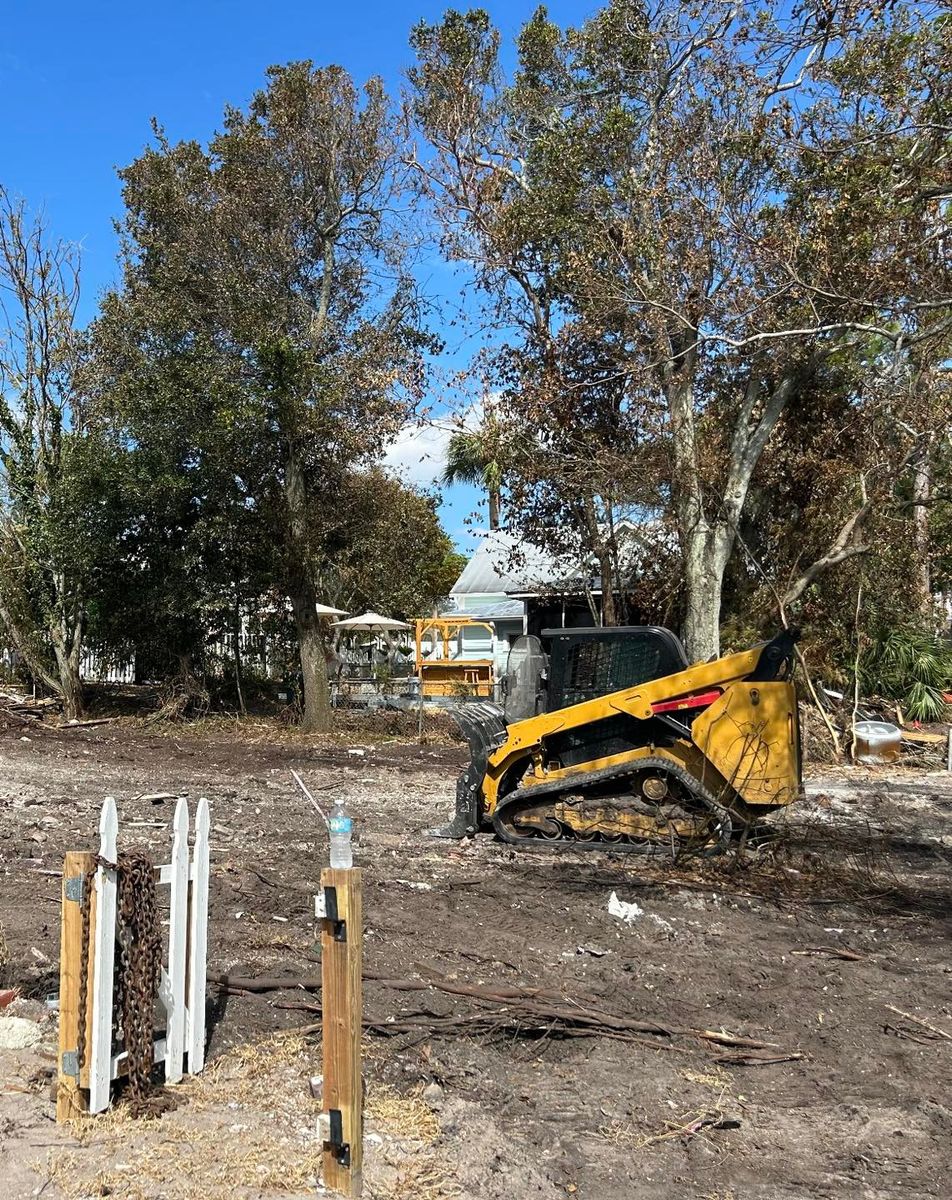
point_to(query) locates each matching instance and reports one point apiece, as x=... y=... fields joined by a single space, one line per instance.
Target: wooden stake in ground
x=342 y=998
x=71 y=1101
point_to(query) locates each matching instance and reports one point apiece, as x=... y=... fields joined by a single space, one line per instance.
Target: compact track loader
x=609 y=737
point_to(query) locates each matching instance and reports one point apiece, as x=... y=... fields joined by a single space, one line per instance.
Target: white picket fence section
x=182 y=985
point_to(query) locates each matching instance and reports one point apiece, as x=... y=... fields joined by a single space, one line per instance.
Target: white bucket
x=876 y=741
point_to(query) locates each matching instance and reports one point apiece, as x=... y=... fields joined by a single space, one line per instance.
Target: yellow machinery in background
x=443 y=674
x=618 y=740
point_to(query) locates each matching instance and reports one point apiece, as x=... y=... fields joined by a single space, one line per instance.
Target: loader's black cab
x=586 y=663
x=569 y=666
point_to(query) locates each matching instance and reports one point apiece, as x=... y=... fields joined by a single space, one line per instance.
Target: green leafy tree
x=268 y=272
x=392 y=553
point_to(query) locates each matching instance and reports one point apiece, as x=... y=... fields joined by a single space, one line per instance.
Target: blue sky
x=79 y=84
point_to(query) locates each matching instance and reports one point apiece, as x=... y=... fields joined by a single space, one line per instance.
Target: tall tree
x=274 y=263
x=723 y=197
x=45 y=530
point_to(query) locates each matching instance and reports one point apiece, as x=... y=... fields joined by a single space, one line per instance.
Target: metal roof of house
x=502 y=564
x=497 y=610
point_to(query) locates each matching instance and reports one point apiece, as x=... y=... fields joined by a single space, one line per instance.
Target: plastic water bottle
x=340 y=826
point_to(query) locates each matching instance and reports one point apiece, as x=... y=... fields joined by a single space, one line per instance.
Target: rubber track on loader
x=526 y=797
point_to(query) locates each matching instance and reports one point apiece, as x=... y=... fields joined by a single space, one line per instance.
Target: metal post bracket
x=335 y=1141
x=325 y=909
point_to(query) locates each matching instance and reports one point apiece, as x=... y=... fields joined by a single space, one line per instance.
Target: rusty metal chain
x=138 y=969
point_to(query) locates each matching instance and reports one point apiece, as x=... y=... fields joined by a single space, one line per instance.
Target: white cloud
x=418 y=452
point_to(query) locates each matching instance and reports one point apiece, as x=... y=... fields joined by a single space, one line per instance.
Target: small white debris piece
x=595 y=951
x=357 y=752
x=284 y=919
x=418 y=887
x=17 y=1033
x=625 y=910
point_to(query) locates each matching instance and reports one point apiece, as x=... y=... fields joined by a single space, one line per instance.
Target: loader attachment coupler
x=484 y=727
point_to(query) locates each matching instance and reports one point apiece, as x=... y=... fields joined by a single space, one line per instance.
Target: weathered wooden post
x=340 y=906
x=71 y=1101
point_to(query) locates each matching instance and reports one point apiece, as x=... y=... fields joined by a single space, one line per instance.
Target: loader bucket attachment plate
x=751 y=735
x=484 y=727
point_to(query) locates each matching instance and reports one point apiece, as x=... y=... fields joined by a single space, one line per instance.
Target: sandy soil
x=861 y=1104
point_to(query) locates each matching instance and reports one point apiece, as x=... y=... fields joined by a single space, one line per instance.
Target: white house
x=519 y=588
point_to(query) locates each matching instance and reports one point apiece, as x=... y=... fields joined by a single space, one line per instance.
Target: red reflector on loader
x=701 y=700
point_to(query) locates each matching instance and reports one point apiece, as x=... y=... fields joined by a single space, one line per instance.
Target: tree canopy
x=686 y=217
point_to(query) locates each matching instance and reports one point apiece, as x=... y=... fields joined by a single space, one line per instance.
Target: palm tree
x=472 y=457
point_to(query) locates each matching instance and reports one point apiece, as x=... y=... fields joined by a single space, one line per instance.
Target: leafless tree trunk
x=239 y=666
x=921 y=496
x=494 y=508
x=41 y=603
x=707 y=540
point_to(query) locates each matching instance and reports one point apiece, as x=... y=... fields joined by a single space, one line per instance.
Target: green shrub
x=911 y=666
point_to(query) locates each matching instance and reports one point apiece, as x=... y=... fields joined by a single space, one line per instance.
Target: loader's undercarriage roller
x=656 y=809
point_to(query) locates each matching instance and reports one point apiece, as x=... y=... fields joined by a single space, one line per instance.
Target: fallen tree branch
x=513 y=1009
x=265 y=983
x=89 y=724
x=933 y=1029
x=833 y=952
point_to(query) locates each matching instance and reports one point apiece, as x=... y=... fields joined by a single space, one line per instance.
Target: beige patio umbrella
x=370 y=622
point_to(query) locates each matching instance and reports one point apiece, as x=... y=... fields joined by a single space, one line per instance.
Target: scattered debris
x=17 y=1033
x=833 y=951
x=626 y=911
x=692 y=1125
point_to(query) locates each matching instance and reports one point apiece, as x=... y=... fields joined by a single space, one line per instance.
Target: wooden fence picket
x=198 y=941
x=103 y=956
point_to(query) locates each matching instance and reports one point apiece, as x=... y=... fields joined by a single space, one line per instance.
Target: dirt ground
x=810 y=946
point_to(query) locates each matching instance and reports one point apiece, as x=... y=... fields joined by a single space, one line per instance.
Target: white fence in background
x=93 y=668
x=182 y=986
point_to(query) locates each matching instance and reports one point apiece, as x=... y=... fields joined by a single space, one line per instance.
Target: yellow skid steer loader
x=610 y=737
